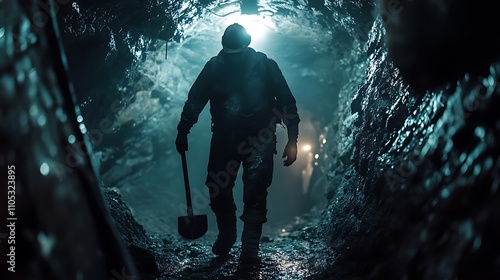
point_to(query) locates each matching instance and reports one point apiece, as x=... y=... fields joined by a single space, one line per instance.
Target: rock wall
x=60 y=226
x=419 y=197
x=140 y=246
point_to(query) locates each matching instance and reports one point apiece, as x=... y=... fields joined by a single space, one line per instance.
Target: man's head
x=235 y=39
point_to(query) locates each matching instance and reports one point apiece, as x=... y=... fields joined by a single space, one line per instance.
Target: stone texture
x=63 y=229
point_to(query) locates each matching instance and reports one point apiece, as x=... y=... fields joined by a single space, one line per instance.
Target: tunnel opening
x=154 y=91
x=136 y=153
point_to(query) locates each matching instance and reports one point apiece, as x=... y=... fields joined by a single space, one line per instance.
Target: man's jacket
x=247 y=95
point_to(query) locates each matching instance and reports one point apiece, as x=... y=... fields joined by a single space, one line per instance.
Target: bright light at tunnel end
x=256 y=25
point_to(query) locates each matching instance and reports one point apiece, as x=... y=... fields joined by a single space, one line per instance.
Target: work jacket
x=247 y=95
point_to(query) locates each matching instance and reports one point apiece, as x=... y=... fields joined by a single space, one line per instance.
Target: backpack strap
x=268 y=79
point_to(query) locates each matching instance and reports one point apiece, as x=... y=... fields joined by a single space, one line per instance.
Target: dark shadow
x=248 y=271
x=266 y=269
x=218 y=262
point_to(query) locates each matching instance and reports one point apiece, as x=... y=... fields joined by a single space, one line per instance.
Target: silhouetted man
x=248 y=97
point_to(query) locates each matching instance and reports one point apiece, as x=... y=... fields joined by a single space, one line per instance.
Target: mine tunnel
x=398 y=162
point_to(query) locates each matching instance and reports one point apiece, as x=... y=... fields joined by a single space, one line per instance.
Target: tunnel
x=398 y=156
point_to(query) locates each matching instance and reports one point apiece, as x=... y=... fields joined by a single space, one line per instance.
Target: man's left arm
x=286 y=105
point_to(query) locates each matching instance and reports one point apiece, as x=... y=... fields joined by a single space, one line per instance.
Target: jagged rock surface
x=420 y=198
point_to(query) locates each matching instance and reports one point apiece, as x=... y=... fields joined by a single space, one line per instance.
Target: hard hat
x=235 y=39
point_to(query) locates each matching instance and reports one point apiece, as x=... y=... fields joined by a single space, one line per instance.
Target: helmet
x=235 y=39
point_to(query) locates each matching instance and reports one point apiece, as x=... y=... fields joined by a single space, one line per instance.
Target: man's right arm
x=198 y=97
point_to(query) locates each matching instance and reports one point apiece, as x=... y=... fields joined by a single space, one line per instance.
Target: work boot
x=250 y=243
x=226 y=223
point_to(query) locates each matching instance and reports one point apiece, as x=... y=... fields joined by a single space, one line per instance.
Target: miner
x=248 y=98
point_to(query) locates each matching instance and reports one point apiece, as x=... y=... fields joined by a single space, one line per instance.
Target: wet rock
x=130 y=231
x=414 y=201
x=139 y=244
x=145 y=261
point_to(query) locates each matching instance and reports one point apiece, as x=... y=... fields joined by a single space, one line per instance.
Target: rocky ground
x=299 y=253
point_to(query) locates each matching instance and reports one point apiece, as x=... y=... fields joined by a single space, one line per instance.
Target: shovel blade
x=192 y=227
